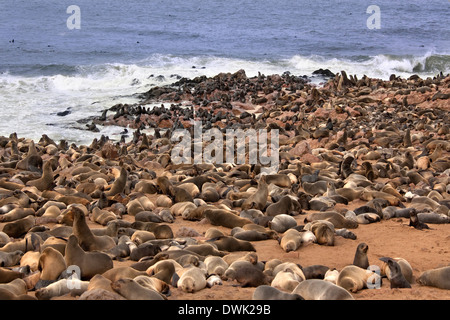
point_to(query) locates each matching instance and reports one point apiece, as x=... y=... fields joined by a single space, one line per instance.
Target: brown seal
x=45 y=182
x=10 y=259
x=16 y=214
x=51 y=264
x=354 y=278
x=338 y=220
x=230 y=244
x=88 y=241
x=250 y=276
x=265 y=292
x=439 y=278
x=291 y=240
x=317 y=289
x=90 y=263
x=5 y=294
x=257 y=200
x=8 y=275
x=225 y=218
x=192 y=279
x=18 y=228
x=122 y=272
x=396 y=276
x=131 y=290
x=361 y=259
x=286 y=205
x=119 y=184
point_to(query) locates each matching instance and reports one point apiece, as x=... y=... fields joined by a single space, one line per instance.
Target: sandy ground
x=424 y=249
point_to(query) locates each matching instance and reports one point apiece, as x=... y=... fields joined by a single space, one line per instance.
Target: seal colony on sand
x=123 y=220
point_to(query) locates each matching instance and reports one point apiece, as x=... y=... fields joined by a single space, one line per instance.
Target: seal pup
x=396 y=276
x=405 y=267
x=90 y=263
x=415 y=222
x=62 y=287
x=317 y=289
x=266 y=292
x=315 y=271
x=154 y=284
x=361 y=259
x=439 y=278
x=213 y=280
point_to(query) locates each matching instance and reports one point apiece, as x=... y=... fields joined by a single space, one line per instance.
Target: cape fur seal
x=62 y=287
x=354 y=278
x=18 y=228
x=119 y=184
x=89 y=241
x=10 y=259
x=131 y=290
x=192 y=279
x=282 y=222
x=225 y=218
x=396 y=277
x=317 y=289
x=338 y=220
x=266 y=292
x=257 y=200
x=439 y=278
x=90 y=263
x=51 y=264
x=361 y=259
x=285 y=205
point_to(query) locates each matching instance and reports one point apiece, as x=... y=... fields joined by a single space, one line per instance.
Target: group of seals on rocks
x=69 y=213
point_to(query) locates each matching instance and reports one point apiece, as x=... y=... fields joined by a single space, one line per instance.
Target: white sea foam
x=31 y=104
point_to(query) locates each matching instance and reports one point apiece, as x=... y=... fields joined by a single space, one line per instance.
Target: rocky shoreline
x=353 y=153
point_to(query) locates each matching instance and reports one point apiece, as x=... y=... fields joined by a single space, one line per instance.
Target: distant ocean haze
x=123 y=48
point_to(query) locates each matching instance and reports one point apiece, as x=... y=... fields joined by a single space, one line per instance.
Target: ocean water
x=123 y=48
